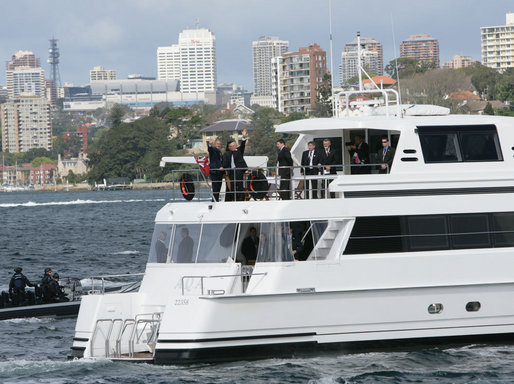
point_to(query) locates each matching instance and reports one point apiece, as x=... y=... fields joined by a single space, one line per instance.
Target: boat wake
x=74 y=202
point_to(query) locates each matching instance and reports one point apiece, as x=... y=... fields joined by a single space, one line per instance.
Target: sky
x=124 y=34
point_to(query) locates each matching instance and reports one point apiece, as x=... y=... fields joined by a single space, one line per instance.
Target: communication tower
x=53 y=60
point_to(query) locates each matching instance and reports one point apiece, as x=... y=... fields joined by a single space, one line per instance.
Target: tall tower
x=263 y=50
x=53 y=60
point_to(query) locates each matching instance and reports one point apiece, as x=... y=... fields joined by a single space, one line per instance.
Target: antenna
x=197 y=23
x=331 y=58
x=53 y=60
x=396 y=62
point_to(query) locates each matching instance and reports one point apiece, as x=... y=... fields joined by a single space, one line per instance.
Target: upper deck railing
x=265 y=183
x=390 y=102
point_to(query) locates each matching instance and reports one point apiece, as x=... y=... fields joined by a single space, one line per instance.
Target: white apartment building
x=498 y=45
x=25 y=80
x=348 y=68
x=101 y=74
x=193 y=60
x=168 y=63
x=263 y=51
x=27 y=124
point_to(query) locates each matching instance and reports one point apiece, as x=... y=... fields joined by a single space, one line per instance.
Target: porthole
x=409 y=159
x=435 y=308
x=473 y=306
x=409 y=151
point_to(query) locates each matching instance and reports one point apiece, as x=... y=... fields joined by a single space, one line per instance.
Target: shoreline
x=87 y=187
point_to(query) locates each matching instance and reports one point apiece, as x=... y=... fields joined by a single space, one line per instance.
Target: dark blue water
x=80 y=234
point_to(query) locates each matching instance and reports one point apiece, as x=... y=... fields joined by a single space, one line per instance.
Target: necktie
x=327 y=151
x=310 y=157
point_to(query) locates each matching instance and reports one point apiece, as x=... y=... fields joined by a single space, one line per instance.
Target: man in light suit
x=234 y=164
x=311 y=162
x=385 y=156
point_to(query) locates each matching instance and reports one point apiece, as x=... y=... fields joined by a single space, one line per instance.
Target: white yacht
x=422 y=252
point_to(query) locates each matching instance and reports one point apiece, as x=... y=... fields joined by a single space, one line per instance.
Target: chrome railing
x=98 y=283
x=118 y=337
x=266 y=183
x=245 y=274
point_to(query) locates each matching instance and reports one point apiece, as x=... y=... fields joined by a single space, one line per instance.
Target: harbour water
x=81 y=234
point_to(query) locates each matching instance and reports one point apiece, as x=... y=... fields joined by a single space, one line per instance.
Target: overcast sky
x=124 y=34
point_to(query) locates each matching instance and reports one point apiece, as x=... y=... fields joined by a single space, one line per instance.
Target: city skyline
x=125 y=35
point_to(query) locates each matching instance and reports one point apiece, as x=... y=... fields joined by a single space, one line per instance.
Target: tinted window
x=470 y=231
x=449 y=144
x=427 y=232
x=503 y=225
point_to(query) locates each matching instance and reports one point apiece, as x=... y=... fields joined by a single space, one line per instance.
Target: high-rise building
x=197 y=60
x=193 y=60
x=371 y=45
x=421 y=47
x=101 y=74
x=263 y=50
x=26 y=124
x=498 y=45
x=298 y=77
x=23 y=59
x=459 y=61
x=25 y=80
x=168 y=63
x=349 y=64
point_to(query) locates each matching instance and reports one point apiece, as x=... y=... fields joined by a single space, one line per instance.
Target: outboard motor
x=71 y=287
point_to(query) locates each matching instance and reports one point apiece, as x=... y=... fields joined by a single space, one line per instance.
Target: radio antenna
x=331 y=58
x=396 y=62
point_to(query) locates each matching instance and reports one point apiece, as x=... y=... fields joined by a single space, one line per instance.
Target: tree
x=488 y=110
x=127 y=150
x=484 y=79
x=116 y=114
x=407 y=67
x=323 y=107
x=41 y=160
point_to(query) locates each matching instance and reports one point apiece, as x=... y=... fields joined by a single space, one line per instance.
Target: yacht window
x=480 y=146
x=427 y=232
x=449 y=144
x=503 y=229
x=217 y=243
x=185 y=243
x=439 y=147
x=317 y=228
x=160 y=243
x=470 y=231
x=274 y=243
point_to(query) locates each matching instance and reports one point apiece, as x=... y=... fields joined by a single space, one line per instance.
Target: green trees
x=407 y=67
x=131 y=150
x=323 y=107
x=42 y=160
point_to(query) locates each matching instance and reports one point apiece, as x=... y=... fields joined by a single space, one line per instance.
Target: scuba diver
x=17 y=287
x=56 y=293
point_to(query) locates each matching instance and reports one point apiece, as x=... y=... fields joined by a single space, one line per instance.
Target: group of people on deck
x=232 y=166
x=51 y=291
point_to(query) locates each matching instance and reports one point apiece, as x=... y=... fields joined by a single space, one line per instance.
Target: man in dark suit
x=215 y=167
x=235 y=166
x=329 y=158
x=311 y=161
x=250 y=246
x=385 y=156
x=285 y=162
x=359 y=152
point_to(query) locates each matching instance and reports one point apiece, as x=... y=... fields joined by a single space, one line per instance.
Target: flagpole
x=203 y=176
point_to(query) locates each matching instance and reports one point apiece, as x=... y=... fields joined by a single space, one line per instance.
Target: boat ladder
x=326 y=241
x=126 y=339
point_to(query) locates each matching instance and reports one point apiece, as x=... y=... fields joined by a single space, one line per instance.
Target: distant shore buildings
x=297 y=77
x=101 y=74
x=263 y=51
x=498 y=45
x=192 y=61
x=372 y=58
x=459 y=61
x=421 y=47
